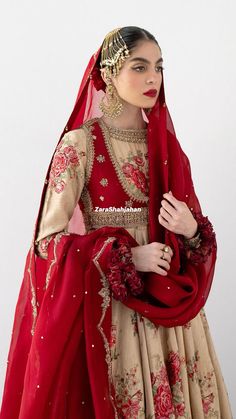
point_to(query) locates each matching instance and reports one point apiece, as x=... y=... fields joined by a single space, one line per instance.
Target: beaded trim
x=106 y=300
x=88 y=128
x=127 y=135
x=134 y=219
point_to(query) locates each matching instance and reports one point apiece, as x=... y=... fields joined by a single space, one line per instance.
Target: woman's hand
x=177 y=217
x=148 y=258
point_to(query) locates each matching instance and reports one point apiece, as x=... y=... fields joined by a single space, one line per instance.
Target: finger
x=159 y=270
x=168 y=207
x=175 y=202
x=164 y=264
x=165 y=214
x=170 y=252
x=163 y=222
x=168 y=257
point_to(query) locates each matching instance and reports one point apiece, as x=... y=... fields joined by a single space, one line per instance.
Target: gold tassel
x=114 y=51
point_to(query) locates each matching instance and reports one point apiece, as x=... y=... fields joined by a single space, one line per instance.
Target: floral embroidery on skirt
x=165 y=373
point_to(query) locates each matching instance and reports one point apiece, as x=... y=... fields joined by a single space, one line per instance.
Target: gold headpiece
x=114 y=52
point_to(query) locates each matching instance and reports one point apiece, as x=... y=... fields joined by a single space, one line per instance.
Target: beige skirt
x=165 y=373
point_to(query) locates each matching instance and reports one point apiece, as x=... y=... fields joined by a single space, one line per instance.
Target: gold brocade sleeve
x=66 y=181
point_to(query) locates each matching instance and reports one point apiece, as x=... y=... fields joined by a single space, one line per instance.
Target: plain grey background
x=45 y=48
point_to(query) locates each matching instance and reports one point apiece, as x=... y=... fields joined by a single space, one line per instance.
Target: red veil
x=169 y=169
x=59 y=363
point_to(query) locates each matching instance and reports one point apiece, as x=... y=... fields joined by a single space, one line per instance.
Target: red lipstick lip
x=151 y=93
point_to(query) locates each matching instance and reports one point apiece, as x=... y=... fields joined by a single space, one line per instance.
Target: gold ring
x=166 y=249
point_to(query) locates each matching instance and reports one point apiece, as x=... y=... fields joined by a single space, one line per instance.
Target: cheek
x=130 y=85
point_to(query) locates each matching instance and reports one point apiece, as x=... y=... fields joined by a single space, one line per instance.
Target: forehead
x=146 y=49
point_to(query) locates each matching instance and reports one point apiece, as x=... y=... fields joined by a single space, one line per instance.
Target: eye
x=138 y=68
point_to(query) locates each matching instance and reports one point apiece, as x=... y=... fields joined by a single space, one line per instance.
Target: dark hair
x=132 y=35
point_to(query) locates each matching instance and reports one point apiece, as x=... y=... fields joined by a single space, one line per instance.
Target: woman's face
x=140 y=73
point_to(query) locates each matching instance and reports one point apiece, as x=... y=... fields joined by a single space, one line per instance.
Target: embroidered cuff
x=197 y=249
x=122 y=275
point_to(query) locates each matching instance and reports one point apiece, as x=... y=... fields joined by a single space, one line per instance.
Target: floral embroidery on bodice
x=116 y=184
x=135 y=171
x=66 y=163
x=105 y=171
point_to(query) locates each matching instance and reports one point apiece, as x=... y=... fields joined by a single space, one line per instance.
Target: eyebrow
x=144 y=60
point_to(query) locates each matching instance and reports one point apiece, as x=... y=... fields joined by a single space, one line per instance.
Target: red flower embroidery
x=128 y=397
x=167 y=389
x=128 y=169
x=71 y=155
x=199 y=254
x=138 y=160
x=59 y=164
x=132 y=406
x=173 y=367
x=139 y=180
x=113 y=336
x=65 y=159
x=180 y=409
x=192 y=366
x=163 y=402
x=121 y=274
x=59 y=186
x=206 y=402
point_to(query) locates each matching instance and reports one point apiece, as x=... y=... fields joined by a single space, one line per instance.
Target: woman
x=110 y=320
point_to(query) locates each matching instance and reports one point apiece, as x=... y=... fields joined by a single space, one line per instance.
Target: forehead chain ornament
x=114 y=52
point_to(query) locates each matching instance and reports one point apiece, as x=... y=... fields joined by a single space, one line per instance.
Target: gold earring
x=114 y=107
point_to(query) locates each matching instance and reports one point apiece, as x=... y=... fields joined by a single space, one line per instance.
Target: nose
x=151 y=80
x=152 y=77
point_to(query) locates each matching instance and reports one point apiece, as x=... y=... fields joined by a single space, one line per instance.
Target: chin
x=150 y=105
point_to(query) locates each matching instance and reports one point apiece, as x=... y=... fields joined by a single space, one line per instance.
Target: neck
x=130 y=118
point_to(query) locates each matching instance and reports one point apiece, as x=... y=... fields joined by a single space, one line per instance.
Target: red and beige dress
x=157 y=372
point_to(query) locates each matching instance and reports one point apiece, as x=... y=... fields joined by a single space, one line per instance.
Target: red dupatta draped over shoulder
x=59 y=364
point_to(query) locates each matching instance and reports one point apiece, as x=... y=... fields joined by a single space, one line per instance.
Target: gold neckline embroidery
x=127 y=135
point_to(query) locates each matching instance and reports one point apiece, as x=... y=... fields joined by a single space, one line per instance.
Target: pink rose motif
x=59 y=187
x=138 y=160
x=59 y=164
x=162 y=376
x=163 y=402
x=132 y=406
x=139 y=180
x=206 y=402
x=113 y=336
x=71 y=154
x=128 y=169
x=180 y=409
x=173 y=367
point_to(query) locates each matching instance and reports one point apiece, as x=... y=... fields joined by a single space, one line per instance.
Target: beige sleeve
x=66 y=181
